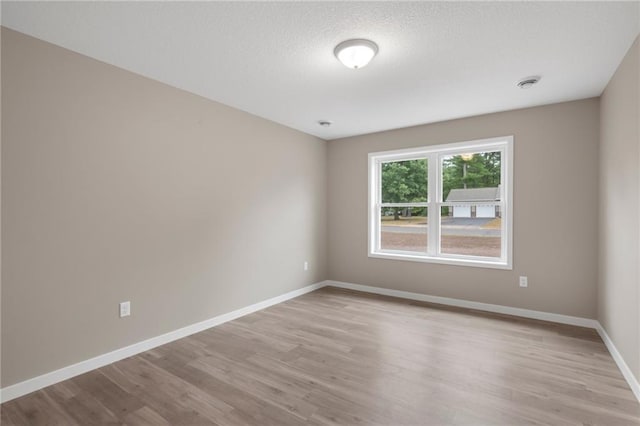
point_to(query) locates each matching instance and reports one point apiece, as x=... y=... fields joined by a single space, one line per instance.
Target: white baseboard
x=526 y=313
x=500 y=309
x=624 y=368
x=36 y=383
x=31 y=385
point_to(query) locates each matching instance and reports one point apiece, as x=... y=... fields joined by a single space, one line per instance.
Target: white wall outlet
x=524 y=282
x=125 y=309
x=306 y=266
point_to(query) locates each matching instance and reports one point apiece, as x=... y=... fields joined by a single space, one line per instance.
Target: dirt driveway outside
x=466 y=236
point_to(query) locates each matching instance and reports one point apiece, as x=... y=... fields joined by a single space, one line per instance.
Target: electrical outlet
x=306 y=266
x=524 y=282
x=125 y=309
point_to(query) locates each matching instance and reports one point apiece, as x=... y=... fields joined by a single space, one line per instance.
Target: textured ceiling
x=437 y=61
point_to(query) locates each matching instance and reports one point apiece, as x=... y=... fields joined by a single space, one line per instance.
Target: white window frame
x=434 y=155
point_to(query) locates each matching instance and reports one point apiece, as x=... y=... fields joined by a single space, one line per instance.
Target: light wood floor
x=340 y=357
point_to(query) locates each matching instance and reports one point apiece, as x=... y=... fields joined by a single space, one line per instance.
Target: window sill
x=443 y=260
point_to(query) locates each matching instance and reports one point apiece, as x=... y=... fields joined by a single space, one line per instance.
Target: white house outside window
x=445 y=203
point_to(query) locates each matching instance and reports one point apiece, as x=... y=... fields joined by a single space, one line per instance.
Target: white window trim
x=434 y=153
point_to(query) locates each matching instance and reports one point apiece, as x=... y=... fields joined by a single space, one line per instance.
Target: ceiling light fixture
x=356 y=53
x=528 y=82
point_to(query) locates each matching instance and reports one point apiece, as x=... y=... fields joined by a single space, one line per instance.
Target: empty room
x=320 y=213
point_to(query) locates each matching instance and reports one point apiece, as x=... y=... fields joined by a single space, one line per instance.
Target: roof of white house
x=474 y=194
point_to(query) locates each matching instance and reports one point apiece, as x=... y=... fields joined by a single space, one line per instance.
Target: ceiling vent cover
x=528 y=82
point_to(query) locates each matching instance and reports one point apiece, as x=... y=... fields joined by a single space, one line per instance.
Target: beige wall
x=619 y=278
x=116 y=187
x=555 y=211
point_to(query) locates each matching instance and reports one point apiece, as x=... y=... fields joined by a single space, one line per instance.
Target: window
x=445 y=204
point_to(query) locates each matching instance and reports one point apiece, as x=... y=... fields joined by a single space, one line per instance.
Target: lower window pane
x=471 y=230
x=404 y=229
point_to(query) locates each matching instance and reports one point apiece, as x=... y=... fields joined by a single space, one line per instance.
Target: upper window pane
x=472 y=177
x=404 y=181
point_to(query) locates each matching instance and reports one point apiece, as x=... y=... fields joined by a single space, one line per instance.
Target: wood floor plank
x=146 y=417
x=341 y=357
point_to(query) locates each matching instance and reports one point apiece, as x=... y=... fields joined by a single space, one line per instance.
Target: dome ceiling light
x=356 y=53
